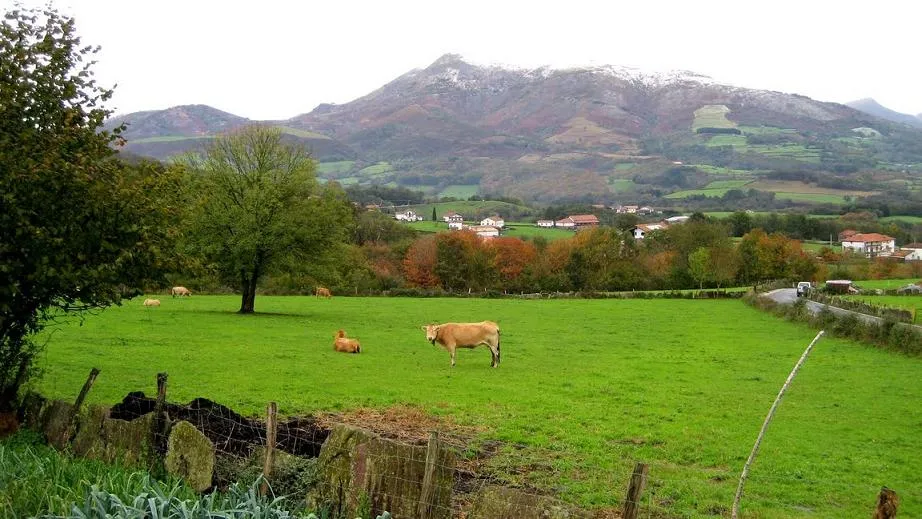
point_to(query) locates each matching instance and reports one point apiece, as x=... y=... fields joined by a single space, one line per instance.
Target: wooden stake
x=887 y=503
x=86 y=389
x=159 y=422
x=271 y=430
x=771 y=414
x=634 y=491
x=426 y=493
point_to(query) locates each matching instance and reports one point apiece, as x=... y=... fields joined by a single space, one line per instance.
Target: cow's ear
x=423 y=327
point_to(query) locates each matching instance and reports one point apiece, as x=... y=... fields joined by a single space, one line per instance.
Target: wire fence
x=361 y=470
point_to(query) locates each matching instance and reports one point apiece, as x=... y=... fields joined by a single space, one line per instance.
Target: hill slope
x=872 y=107
x=574 y=134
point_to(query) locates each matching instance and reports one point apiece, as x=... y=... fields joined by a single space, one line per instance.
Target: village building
x=452 y=216
x=484 y=231
x=545 y=223
x=494 y=221
x=642 y=230
x=408 y=216
x=869 y=244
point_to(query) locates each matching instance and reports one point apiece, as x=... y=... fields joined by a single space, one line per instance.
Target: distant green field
x=819 y=198
x=693 y=192
x=765 y=130
x=480 y=207
x=912 y=303
x=623 y=166
x=712 y=116
x=725 y=214
x=461 y=191
x=581 y=395
x=621 y=185
x=788 y=151
x=335 y=168
x=816 y=246
x=376 y=169
x=304 y=134
x=170 y=138
x=737 y=141
x=727 y=184
x=348 y=181
x=428 y=225
x=885 y=284
x=907 y=219
x=530 y=230
x=717 y=170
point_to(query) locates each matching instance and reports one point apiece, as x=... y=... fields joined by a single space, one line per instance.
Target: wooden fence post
x=77 y=403
x=159 y=422
x=887 y=503
x=271 y=430
x=426 y=493
x=634 y=491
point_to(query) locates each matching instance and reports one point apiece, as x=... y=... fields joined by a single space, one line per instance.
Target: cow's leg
x=494 y=361
x=452 y=352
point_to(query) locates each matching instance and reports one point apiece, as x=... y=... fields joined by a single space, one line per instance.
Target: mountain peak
x=448 y=59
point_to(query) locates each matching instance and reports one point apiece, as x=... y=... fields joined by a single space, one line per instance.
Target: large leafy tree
x=78 y=228
x=258 y=207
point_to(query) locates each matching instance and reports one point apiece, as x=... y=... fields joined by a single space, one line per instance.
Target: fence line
x=643 y=492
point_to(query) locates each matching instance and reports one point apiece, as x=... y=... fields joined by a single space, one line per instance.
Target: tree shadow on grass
x=255 y=314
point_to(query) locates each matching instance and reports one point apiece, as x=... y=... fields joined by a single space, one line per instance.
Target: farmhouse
x=870 y=244
x=456 y=225
x=914 y=251
x=408 y=216
x=584 y=220
x=642 y=230
x=485 y=231
x=626 y=209
x=494 y=221
x=545 y=223
x=565 y=223
x=452 y=216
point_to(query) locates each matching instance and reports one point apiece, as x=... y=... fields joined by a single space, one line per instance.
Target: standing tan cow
x=151 y=302
x=180 y=291
x=322 y=292
x=465 y=335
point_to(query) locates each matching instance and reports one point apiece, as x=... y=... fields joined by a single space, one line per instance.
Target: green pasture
x=530 y=230
x=816 y=246
x=624 y=166
x=904 y=218
x=727 y=184
x=725 y=140
x=375 y=169
x=712 y=116
x=907 y=302
x=719 y=170
x=586 y=388
x=335 y=168
x=304 y=134
x=816 y=198
x=884 y=284
x=460 y=191
x=621 y=185
x=428 y=225
x=693 y=192
x=481 y=207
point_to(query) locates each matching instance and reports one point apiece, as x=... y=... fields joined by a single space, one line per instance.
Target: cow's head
x=432 y=330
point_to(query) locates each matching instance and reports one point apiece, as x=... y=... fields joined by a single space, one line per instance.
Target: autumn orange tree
x=513 y=256
x=419 y=263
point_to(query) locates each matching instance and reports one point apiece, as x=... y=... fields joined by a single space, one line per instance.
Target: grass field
x=718 y=170
x=712 y=116
x=530 y=230
x=483 y=207
x=304 y=134
x=335 y=168
x=907 y=302
x=816 y=246
x=621 y=185
x=907 y=219
x=375 y=169
x=460 y=191
x=585 y=389
x=716 y=188
x=884 y=284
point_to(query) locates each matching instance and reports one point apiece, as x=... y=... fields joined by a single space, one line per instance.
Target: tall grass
x=37 y=481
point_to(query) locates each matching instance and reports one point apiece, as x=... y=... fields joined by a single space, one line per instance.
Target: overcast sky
x=274 y=59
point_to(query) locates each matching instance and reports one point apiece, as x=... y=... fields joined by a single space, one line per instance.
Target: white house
x=456 y=225
x=545 y=223
x=914 y=251
x=626 y=209
x=452 y=216
x=869 y=244
x=565 y=223
x=485 y=231
x=642 y=230
x=494 y=221
x=676 y=219
x=408 y=216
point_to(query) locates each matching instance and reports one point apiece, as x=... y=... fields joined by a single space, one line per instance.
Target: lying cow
x=151 y=302
x=323 y=292
x=180 y=291
x=341 y=343
x=465 y=335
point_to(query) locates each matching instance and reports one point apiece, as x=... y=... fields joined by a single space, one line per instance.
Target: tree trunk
x=248 y=301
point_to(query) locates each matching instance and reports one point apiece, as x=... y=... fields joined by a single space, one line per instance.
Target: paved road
x=789 y=296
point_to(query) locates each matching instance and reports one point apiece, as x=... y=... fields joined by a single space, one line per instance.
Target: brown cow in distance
x=151 y=302
x=345 y=345
x=322 y=292
x=465 y=335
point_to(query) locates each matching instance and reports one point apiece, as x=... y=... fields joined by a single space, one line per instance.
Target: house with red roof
x=869 y=244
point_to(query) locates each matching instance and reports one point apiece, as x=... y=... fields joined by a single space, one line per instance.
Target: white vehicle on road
x=803 y=287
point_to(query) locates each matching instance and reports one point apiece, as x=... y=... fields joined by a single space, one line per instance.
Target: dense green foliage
x=257 y=206
x=78 y=228
x=586 y=388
